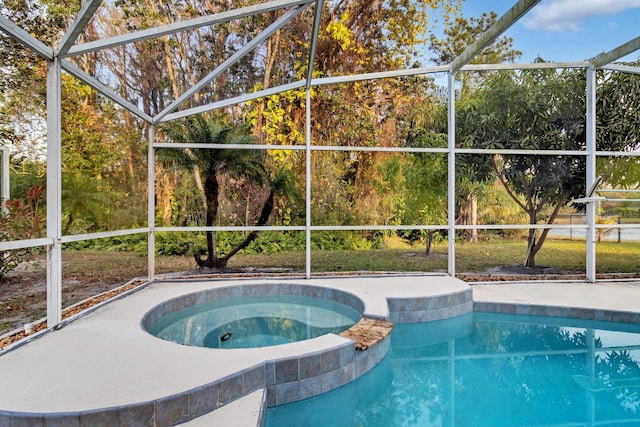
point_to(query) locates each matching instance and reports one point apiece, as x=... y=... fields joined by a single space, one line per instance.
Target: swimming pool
x=249 y=321
x=489 y=370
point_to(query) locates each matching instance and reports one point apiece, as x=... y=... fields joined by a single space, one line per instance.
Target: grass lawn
x=478 y=257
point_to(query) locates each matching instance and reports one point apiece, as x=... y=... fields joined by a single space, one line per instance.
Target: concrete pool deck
x=106 y=360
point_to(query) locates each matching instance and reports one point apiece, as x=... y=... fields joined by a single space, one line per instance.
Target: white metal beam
x=521 y=152
x=500 y=26
x=622 y=68
x=314 y=41
x=616 y=53
x=5 y=187
x=21 y=244
x=190 y=24
x=151 y=205
x=102 y=235
x=618 y=153
x=527 y=66
x=451 y=171
x=379 y=75
x=307 y=180
x=54 y=191
x=103 y=89
x=77 y=26
x=26 y=39
x=244 y=50
x=231 y=101
x=591 y=173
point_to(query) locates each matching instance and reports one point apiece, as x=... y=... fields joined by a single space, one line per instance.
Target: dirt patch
x=69 y=312
x=23 y=292
x=519 y=273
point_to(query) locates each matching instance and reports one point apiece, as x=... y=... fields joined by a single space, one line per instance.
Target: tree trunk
x=272 y=53
x=427 y=250
x=474 y=218
x=469 y=216
x=530 y=260
x=211 y=191
x=535 y=246
x=265 y=213
x=67 y=226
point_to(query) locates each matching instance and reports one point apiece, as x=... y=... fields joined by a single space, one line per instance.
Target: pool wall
x=214 y=294
x=292 y=378
x=557 y=311
x=307 y=375
x=428 y=308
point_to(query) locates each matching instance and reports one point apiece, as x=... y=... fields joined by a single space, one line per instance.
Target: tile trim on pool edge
x=557 y=311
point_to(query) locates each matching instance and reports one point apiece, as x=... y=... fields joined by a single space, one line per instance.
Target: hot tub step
x=368 y=332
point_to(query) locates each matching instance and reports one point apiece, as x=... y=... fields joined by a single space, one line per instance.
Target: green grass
x=612 y=257
x=478 y=257
x=109 y=268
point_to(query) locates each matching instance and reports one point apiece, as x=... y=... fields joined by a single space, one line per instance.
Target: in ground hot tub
x=248 y=316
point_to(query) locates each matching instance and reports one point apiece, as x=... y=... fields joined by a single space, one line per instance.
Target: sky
x=567 y=30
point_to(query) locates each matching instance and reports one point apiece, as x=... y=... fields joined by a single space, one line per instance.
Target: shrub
x=19 y=220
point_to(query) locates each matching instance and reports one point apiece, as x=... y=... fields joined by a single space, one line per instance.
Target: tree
x=531 y=110
x=23 y=82
x=81 y=198
x=20 y=219
x=618 y=115
x=414 y=187
x=472 y=176
x=463 y=33
x=212 y=164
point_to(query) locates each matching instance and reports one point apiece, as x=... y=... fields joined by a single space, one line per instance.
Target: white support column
x=151 y=205
x=307 y=180
x=591 y=172
x=451 y=166
x=54 y=190
x=6 y=188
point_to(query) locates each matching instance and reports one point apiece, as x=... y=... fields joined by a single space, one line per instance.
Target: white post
x=591 y=172
x=308 y=186
x=151 y=205
x=5 y=189
x=451 y=166
x=54 y=191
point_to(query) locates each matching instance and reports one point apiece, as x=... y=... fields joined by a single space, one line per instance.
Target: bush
x=20 y=220
x=624 y=212
x=267 y=242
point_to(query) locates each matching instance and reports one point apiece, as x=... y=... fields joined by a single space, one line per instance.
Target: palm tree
x=209 y=165
x=81 y=197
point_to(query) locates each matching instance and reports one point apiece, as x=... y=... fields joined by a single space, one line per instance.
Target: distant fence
x=617 y=232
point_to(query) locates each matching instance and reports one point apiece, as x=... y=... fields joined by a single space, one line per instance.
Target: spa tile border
x=428 y=308
x=557 y=311
x=235 y=291
x=307 y=375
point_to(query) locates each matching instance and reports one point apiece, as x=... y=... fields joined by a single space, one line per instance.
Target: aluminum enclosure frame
x=67 y=47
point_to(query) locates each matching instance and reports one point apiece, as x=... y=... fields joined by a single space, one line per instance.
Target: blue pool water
x=255 y=321
x=489 y=370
